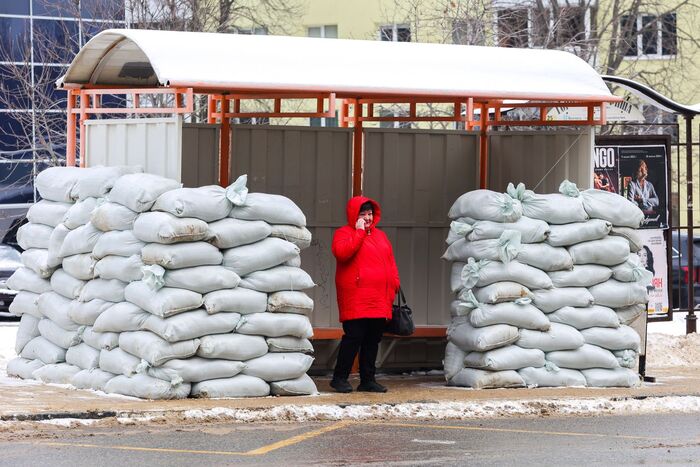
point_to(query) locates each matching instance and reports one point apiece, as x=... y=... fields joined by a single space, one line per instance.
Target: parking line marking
x=297 y=439
x=514 y=430
x=432 y=441
x=138 y=448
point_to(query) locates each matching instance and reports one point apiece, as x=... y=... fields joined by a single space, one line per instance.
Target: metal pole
x=357 y=150
x=690 y=323
x=483 y=148
x=224 y=143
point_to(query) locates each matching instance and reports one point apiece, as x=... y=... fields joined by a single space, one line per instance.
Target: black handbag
x=401 y=322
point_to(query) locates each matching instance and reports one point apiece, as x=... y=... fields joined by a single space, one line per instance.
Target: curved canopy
x=653 y=97
x=350 y=68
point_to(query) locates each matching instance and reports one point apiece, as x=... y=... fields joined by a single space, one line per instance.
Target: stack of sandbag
x=546 y=286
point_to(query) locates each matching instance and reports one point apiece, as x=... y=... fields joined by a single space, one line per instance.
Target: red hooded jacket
x=366 y=276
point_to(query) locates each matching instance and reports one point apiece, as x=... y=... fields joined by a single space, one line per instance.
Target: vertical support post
x=357 y=135
x=483 y=148
x=70 y=137
x=84 y=101
x=211 y=108
x=343 y=114
x=691 y=319
x=224 y=143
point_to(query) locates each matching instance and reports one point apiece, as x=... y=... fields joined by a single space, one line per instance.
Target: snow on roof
x=350 y=68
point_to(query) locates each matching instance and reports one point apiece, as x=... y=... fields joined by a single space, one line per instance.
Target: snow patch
x=69 y=422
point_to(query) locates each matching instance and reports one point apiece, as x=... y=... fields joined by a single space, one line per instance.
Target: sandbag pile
x=546 y=287
x=158 y=291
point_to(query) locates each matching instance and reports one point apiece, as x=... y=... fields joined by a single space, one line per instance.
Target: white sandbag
x=118 y=362
x=47 y=212
x=92 y=378
x=626 y=358
x=582 y=275
x=24 y=279
x=42 y=349
x=55 y=307
x=238 y=300
x=230 y=233
x=83 y=356
x=481 y=379
x=621 y=338
x=161 y=227
x=632 y=271
x=510 y=357
x=26 y=303
x=261 y=255
x=608 y=251
x=86 y=313
x=23 y=368
x=55 y=334
x=290 y=302
x=456 y=276
x=80 y=240
x=80 y=266
x=191 y=324
x=146 y=387
x=117 y=243
x=232 y=347
x=120 y=317
x=154 y=349
x=619 y=377
x=611 y=207
x=27 y=330
x=586 y=356
x=483 y=273
x=616 y=294
x=552 y=299
x=112 y=216
x=109 y=290
x=295 y=262
x=531 y=230
x=571 y=234
x=277 y=279
x=56 y=373
x=181 y=255
x=278 y=366
x=32 y=235
x=57 y=183
x=275 y=325
x=460 y=308
x=585 y=317
x=139 y=191
x=500 y=292
x=66 y=285
x=626 y=314
x=486 y=205
x=545 y=257
x=164 y=302
x=492 y=249
x=53 y=255
x=80 y=213
x=552 y=208
x=551 y=378
x=300 y=236
x=558 y=337
x=301 y=386
x=469 y=339
x=195 y=369
x=100 y=340
x=273 y=209
x=201 y=279
x=523 y=316
x=631 y=235
x=289 y=344
x=453 y=362
x=101 y=180
x=121 y=268
x=208 y=203
x=38 y=261
x=238 y=386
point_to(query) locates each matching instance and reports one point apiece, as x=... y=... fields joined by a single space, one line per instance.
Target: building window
x=468 y=32
x=395 y=33
x=649 y=35
x=329 y=31
x=512 y=27
x=539 y=27
x=256 y=31
x=324 y=121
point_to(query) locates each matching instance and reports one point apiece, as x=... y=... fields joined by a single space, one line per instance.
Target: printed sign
x=605 y=174
x=652 y=257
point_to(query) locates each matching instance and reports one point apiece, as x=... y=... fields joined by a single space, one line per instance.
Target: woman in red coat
x=366 y=280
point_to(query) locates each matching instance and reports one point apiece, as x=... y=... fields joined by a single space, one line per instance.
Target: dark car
x=9 y=262
x=682 y=273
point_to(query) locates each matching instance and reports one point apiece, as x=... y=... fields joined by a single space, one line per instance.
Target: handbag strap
x=400 y=297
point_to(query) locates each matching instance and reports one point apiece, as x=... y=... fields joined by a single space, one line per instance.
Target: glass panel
x=55 y=41
x=314 y=32
x=15 y=85
x=649 y=35
x=571 y=25
x=14 y=40
x=512 y=27
x=12 y=134
x=668 y=34
x=46 y=95
x=16 y=183
x=102 y=9
x=315 y=122
x=386 y=33
x=57 y=8
x=540 y=27
x=403 y=34
x=15 y=7
x=628 y=34
x=330 y=31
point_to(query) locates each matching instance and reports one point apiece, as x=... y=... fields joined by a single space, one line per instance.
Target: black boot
x=371 y=386
x=341 y=385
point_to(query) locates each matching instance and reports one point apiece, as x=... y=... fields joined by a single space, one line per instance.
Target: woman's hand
x=360 y=224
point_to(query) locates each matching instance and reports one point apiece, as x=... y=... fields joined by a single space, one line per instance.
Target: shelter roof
x=652 y=96
x=350 y=68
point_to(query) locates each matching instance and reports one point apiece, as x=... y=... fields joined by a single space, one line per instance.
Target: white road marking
x=432 y=441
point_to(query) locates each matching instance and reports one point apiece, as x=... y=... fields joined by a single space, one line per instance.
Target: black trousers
x=364 y=335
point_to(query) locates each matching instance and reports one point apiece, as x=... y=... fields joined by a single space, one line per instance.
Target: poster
x=653 y=257
x=643 y=181
x=605 y=173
